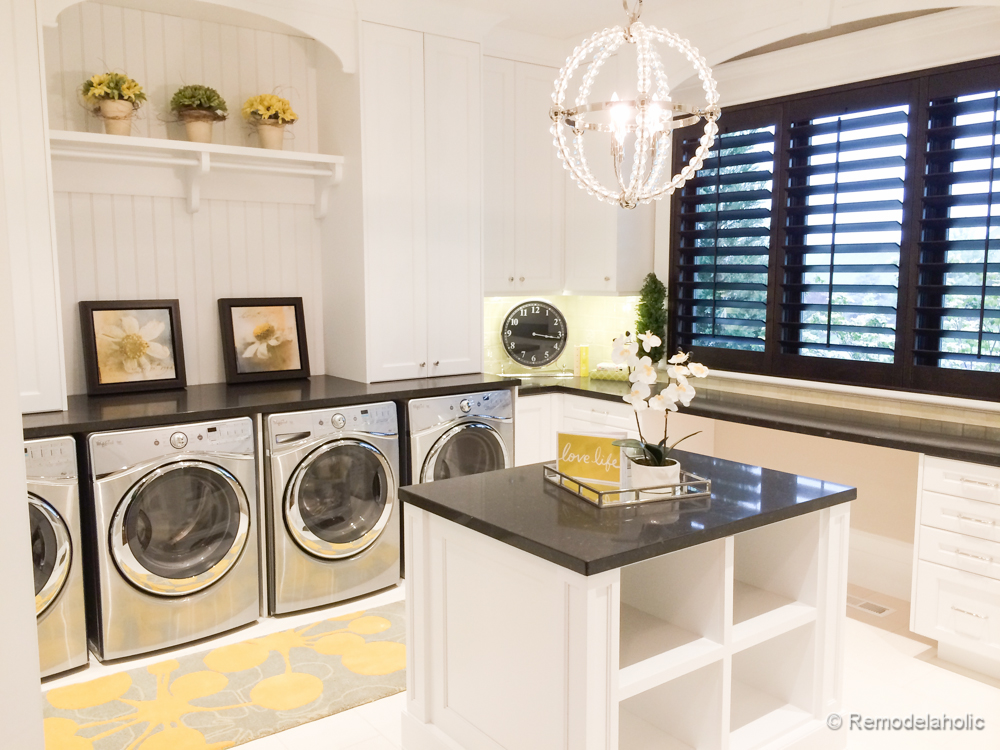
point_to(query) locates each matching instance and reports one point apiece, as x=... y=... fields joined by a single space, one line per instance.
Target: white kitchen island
x=540 y=622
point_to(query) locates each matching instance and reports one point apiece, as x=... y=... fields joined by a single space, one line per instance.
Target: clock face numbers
x=534 y=334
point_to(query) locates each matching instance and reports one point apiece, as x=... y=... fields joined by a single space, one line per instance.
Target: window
x=725 y=237
x=844 y=225
x=850 y=235
x=958 y=288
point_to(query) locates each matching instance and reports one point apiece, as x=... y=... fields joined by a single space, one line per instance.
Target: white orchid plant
x=642 y=374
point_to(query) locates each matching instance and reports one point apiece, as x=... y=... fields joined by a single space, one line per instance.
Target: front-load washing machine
x=174 y=535
x=54 y=516
x=452 y=436
x=333 y=519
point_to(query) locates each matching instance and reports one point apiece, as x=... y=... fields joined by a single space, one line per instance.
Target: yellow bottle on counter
x=581 y=361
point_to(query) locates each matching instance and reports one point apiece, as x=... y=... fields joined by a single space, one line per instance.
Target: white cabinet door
x=534 y=429
x=541 y=185
x=499 y=191
x=392 y=101
x=453 y=104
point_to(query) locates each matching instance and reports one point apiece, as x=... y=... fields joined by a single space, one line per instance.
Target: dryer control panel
x=114 y=451
x=52 y=458
x=363 y=419
x=426 y=413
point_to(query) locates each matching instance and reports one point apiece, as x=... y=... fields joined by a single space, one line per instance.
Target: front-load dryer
x=175 y=535
x=54 y=516
x=333 y=519
x=453 y=436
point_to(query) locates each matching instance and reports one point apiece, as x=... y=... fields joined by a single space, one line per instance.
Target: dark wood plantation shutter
x=725 y=229
x=843 y=234
x=957 y=322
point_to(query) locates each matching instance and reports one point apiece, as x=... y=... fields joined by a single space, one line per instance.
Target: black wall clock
x=534 y=333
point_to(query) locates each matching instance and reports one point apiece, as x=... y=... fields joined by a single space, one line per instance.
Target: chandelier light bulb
x=651 y=117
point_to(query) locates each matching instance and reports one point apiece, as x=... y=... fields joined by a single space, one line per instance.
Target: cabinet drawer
x=961 y=552
x=597 y=411
x=970 y=517
x=962 y=480
x=959 y=608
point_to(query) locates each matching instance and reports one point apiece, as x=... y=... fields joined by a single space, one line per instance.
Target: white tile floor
x=887 y=675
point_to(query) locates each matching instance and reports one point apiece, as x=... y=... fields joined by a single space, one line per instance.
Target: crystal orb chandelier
x=647 y=122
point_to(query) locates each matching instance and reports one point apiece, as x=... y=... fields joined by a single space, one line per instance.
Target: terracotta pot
x=117 y=114
x=271 y=134
x=198 y=124
x=641 y=476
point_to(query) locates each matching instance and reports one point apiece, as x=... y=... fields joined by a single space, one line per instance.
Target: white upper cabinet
x=525 y=182
x=453 y=103
x=395 y=223
x=609 y=250
x=422 y=154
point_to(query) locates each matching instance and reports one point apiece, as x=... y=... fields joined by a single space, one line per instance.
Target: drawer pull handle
x=976 y=520
x=966 y=480
x=598 y=411
x=970 y=614
x=963 y=553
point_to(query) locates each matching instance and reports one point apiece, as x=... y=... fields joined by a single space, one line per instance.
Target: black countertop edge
x=221 y=401
x=941 y=445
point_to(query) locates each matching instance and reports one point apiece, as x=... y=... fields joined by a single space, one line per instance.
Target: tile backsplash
x=594 y=321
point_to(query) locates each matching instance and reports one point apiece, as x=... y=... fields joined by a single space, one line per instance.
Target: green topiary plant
x=200 y=99
x=653 y=313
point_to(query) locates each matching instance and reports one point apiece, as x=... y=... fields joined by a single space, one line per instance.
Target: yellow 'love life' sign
x=590 y=458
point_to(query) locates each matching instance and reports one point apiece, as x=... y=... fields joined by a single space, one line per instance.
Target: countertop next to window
x=954 y=440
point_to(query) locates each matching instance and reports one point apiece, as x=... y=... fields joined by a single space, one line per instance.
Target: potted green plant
x=269 y=114
x=199 y=107
x=650 y=463
x=652 y=311
x=114 y=97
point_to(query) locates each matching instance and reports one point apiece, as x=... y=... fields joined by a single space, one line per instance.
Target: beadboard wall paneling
x=141 y=247
x=163 y=53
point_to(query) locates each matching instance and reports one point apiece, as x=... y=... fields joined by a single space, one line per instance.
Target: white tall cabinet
x=421 y=145
x=525 y=183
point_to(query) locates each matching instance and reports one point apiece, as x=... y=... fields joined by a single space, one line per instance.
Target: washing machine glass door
x=470 y=448
x=51 y=552
x=339 y=499
x=180 y=528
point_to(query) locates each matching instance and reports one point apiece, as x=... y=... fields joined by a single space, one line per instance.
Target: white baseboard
x=881 y=564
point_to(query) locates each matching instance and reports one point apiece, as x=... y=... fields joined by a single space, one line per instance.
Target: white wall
x=164 y=52
x=139 y=247
x=22 y=161
x=123 y=231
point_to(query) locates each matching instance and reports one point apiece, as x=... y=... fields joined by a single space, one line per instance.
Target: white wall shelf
x=199 y=159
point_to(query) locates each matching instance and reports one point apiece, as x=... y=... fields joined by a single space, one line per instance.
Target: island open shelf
x=535 y=621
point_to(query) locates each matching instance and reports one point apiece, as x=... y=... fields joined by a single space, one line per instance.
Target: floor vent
x=870 y=607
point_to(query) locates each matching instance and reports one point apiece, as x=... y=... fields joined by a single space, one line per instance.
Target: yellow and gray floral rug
x=237 y=693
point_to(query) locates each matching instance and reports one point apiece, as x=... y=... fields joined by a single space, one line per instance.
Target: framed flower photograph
x=263 y=339
x=132 y=345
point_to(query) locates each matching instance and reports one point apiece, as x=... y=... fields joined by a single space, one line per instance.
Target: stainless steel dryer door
x=51 y=552
x=468 y=448
x=339 y=499
x=180 y=528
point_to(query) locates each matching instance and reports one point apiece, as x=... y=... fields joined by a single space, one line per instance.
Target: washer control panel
x=365 y=419
x=430 y=412
x=114 y=451
x=50 y=458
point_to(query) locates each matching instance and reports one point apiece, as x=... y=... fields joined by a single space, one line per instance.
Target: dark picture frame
x=126 y=353
x=249 y=355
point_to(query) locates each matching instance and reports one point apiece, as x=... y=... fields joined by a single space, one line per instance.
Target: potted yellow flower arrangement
x=199 y=107
x=114 y=97
x=269 y=113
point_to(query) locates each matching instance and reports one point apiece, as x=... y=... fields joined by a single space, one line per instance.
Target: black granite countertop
x=520 y=508
x=972 y=443
x=221 y=401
